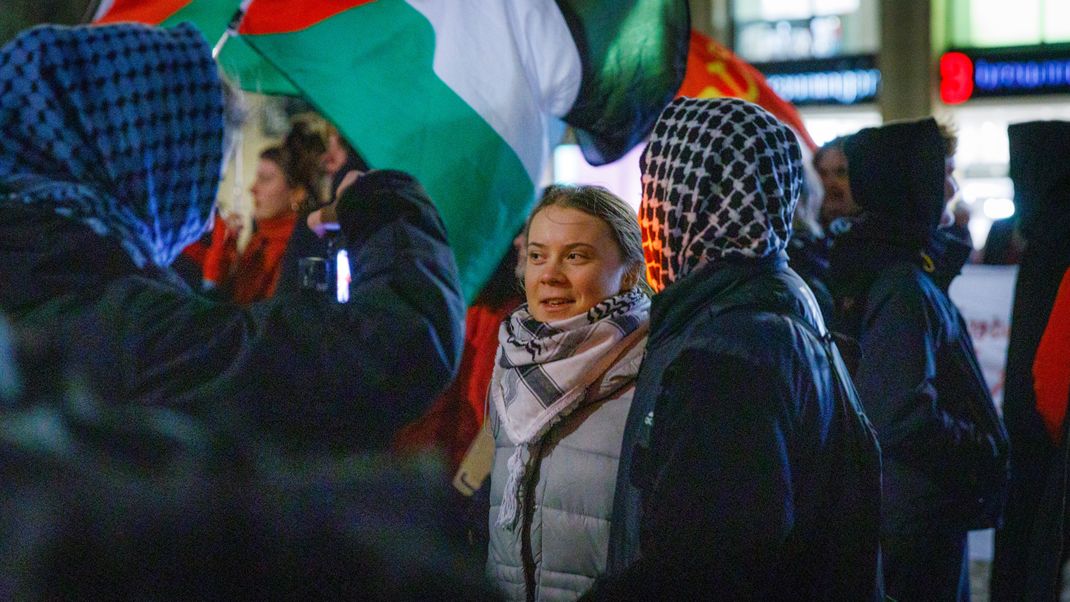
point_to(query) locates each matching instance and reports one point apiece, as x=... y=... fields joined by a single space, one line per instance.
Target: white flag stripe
x=521 y=71
x=103 y=8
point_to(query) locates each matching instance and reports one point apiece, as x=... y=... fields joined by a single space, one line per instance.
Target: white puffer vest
x=560 y=544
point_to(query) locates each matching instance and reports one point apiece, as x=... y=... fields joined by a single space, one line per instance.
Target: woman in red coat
x=287 y=178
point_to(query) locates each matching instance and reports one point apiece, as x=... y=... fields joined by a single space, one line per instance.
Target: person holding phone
x=106 y=175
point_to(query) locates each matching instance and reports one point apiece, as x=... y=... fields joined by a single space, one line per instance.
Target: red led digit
x=956 y=78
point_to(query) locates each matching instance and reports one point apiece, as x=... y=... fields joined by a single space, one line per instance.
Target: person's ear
x=298 y=196
x=631 y=278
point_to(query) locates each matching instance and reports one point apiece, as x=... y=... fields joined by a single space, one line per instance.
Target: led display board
x=840 y=81
x=1020 y=71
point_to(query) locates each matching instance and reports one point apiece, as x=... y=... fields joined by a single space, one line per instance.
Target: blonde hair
x=601 y=203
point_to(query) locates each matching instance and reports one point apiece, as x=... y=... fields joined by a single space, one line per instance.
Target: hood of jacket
x=1041 y=182
x=898 y=171
x=865 y=246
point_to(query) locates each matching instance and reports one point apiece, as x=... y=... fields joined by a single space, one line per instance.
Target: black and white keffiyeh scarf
x=543 y=371
x=721 y=178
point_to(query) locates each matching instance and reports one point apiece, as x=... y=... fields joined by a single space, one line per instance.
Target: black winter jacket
x=1029 y=549
x=944 y=448
x=299 y=366
x=730 y=457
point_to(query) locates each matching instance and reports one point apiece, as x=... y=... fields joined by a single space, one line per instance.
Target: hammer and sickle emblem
x=735 y=82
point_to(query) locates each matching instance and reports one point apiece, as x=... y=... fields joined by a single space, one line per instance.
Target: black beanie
x=898 y=170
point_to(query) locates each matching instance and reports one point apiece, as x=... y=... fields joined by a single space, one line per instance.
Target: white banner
x=985 y=295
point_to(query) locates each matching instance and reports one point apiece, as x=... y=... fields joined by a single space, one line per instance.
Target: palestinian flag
x=240 y=62
x=471 y=95
x=714 y=71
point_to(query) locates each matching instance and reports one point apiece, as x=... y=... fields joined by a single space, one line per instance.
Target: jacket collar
x=948 y=254
x=867 y=245
x=725 y=283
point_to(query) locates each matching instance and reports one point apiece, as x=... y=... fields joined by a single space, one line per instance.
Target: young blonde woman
x=560 y=394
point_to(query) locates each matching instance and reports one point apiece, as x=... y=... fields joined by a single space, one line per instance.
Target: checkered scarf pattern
x=543 y=372
x=721 y=178
x=119 y=127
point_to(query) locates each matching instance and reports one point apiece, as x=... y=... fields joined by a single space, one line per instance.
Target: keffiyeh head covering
x=721 y=178
x=119 y=127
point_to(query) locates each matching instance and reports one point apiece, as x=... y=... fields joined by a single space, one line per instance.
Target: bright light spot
x=835 y=7
x=344 y=277
x=568 y=161
x=774 y=10
x=1002 y=23
x=1057 y=21
x=998 y=208
x=825 y=127
x=979 y=226
x=622 y=177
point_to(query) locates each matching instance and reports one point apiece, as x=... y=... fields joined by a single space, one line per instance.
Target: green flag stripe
x=241 y=63
x=251 y=72
x=370 y=71
x=211 y=17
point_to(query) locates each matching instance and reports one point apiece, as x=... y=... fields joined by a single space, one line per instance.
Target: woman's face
x=573 y=263
x=335 y=157
x=272 y=196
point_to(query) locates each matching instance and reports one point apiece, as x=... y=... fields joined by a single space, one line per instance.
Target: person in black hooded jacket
x=1030 y=546
x=943 y=445
x=112 y=148
x=736 y=452
x=125 y=502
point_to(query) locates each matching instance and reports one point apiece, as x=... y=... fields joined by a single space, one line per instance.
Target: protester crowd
x=717 y=399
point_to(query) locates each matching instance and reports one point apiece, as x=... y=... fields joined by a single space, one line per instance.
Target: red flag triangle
x=152 y=12
x=284 y=16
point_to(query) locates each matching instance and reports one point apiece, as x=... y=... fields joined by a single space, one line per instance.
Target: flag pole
x=96 y=9
x=232 y=28
x=236 y=150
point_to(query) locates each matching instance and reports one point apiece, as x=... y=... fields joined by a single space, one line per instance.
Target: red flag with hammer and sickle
x=714 y=71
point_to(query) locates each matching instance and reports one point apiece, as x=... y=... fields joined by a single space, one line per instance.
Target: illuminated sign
x=839 y=81
x=966 y=74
